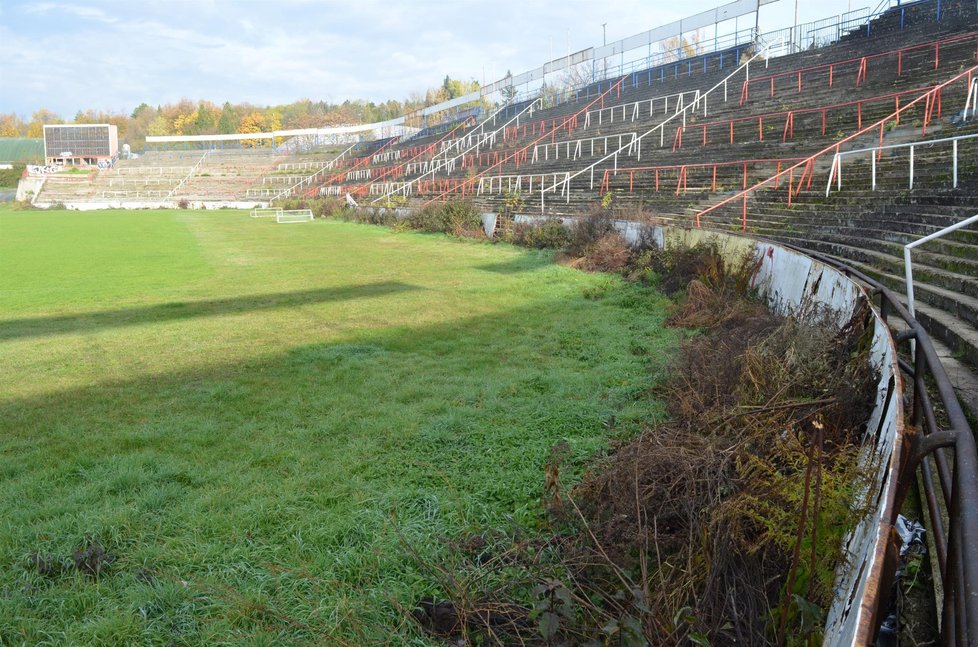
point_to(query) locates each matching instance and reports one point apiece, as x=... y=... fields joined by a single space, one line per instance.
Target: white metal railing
x=574 y=148
x=359 y=174
x=475 y=141
x=875 y=153
x=187 y=176
x=329 y=190
x=972 y=101
x=908 y=266
x=389 y=188
x=490 y=184
x=148 y=170
x=387 y=156
x=636 y=107
x=269 y=212
x=261 y=193
x=489 y=138
x=479 y=131
x=308 y=181
x=430 y=166
x=135 y=194
x=745 y=67
x=143 y=181
x=282 y=179
x=306 y=166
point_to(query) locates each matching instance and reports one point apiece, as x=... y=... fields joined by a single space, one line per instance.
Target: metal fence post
x=911 y=173
x=954 y=165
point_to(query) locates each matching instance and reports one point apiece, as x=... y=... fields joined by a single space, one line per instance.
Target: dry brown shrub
x=712 y=524
x=610 y=253
x=744 y=493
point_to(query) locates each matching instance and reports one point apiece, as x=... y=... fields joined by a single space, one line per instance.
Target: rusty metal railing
x=947 y=460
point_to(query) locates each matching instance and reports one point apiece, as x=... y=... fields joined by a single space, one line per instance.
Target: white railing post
x=835 y=164
x=911 y=168
x=908 y=274
x=908 y=268
x=954 y=164
x=873 y=167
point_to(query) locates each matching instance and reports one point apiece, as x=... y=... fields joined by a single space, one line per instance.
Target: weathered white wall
x=157 y=204
x=791 y=282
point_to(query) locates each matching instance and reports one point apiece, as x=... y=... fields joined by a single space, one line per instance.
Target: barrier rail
x=397 y=171
x=147 y=170
x=189 y=175
x=948 y=481
x=363 y=161
x=630 y=145
x=661 y=126
x=682 y=173
x=145 y=181
x=515 y=182
x=908 y=263
x=136 y=194
x=431 y=167
x=727 y=125
x=680 y=103
x=861 y=62
x=876 y=153
x=931 y=100
x=331 y=164
x=568 y=124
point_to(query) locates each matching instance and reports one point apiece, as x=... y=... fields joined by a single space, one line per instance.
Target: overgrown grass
x=257 y=423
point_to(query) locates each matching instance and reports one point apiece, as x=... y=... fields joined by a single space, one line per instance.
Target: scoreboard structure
x=81 y=144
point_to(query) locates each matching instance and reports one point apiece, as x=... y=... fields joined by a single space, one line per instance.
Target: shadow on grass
x=524 y=263
x=63 y=324
x=324 y=441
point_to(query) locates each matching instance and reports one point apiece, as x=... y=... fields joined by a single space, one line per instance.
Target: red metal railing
x=789 y=117
x=364 y=161
x=860 y=61
x=682 y=170
x=930 y=98
x=568 y=124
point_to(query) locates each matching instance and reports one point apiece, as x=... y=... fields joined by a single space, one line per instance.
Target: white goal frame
x=266 y=213
x=294 y=215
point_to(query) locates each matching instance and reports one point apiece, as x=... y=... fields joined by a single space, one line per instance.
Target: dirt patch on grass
x=89 y=558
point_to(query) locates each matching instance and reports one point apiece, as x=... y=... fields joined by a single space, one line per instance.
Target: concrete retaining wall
x=793 y=283
x=790 y=282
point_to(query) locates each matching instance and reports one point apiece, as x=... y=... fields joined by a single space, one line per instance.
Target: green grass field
x=255 y=419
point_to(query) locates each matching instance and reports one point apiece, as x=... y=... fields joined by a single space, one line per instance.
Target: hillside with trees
x=204 y=117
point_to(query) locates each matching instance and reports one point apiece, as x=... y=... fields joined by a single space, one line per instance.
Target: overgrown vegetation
x=721 y=524
x=11 y=176
x=460 y=218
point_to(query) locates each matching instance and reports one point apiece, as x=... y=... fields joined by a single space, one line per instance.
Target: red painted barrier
x=522 y=151
x=931 y=98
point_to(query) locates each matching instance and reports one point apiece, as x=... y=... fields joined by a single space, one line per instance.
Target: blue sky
x=114 y=54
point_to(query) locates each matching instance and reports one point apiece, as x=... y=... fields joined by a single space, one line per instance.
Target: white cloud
x=113 y=54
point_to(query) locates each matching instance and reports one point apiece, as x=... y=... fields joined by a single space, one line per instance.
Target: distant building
x=21 y=150
x=80 y=144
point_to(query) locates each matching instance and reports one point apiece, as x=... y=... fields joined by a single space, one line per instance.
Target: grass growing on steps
x=252 y=419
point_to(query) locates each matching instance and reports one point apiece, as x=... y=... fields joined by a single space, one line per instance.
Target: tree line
x=203 y=117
